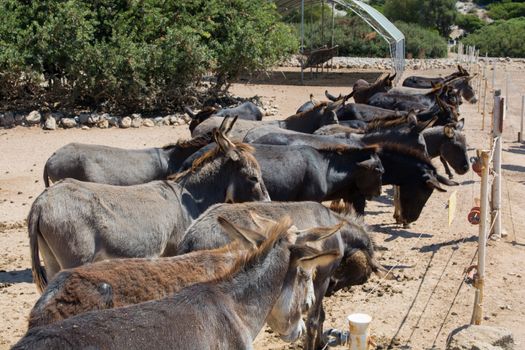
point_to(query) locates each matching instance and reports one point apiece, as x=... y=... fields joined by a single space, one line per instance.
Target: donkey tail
x=46 y=177
x=38 y=271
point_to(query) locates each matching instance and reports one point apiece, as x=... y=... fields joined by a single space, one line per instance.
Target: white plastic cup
x=359 y=331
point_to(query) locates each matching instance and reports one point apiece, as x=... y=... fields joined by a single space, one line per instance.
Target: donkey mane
x=245 y=149
x=199 y=141
x=317 y=106
x=408 y=151
x=341 y=148
x=251 y=257
x=387 y=122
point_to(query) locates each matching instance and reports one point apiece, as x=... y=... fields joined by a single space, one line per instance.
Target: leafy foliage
x=134 y=54
x=502 y=38
x=434 y=14
x=506 y=10
x=470 y=23
x=422 y=42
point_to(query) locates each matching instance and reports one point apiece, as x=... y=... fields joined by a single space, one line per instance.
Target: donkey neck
x=434 y=138
x=400 y=169
x=255 y=289
x=307 y=122
x=339 y=171
x=207 y=186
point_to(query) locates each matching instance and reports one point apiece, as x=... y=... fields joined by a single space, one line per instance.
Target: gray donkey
x=356 y=264
x=74 y=223
x=226 y=313
x=117 y=166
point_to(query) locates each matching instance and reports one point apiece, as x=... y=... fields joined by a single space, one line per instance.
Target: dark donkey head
x=229 y=165
x=202 y=115
x=296 y=294
x=464 y=88
x=362 y=90
x=454 y=147
x=322 y=114
x=415 y=175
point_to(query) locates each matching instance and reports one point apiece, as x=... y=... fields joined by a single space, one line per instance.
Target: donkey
x=449 y=143
x=427 y=83
x=117 y=166
x=121 y=282
x=295 y=173
x=461 y=84
x=135 y=221
x=357 y=260
x=246 y=111
x=225 y=313
x=363 y=90
x=307 y=122
x=418 y=102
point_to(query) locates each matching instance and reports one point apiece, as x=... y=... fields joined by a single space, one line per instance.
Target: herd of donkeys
x=200 y=243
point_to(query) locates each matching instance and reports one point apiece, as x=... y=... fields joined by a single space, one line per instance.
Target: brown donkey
x=363 y=90
x=225 y=313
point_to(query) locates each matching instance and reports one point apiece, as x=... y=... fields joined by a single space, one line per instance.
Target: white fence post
x=497 y=131
x=477 y=313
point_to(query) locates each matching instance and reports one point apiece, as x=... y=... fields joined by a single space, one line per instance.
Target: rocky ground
x=427 y=297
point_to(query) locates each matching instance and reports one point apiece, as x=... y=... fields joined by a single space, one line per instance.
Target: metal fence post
x=520 y=133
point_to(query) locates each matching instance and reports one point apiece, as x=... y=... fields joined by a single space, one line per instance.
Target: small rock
x=7 y=120
x=148 y=122
x=481 y=338
x=136 y=116
x=136 y=122
x=85 y=127
x=113 y=121
x=103 y=123
x=83 y=118
x=51 y=123
x=68 y=123
x=125 y=122
x=20 y=119
x=33 y=118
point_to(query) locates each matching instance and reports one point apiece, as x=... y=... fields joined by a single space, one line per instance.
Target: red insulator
x=477 y=166
x=474 y=217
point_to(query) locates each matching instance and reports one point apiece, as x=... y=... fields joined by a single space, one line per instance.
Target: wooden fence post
x=497 y=134
x=477 y=313
x=520 y=133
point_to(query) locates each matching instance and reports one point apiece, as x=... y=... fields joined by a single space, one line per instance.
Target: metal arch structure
x=386 y=29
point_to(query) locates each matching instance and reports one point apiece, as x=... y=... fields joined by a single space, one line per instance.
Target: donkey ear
x=311 y=262
x=412 y=117
x=318 y=233
x=392 y=77
x=247 y=237
x=329 y=96
x=448 y=130
x=460 y=124
x=230 y=126
x=261 y=221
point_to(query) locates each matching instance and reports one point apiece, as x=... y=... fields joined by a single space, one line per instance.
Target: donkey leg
x=397 y=206
x=314 y=324
x=447 y=169
x=51 y=264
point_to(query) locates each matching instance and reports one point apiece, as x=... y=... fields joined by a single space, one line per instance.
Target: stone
x=20 y=119
x=113 y=121
x=7 y=120
x=34 y=118
x=83 y=118
x=148 y=122
x=174 y=119
x=103 y=123
x=136 y=116
x=480 y=338
x=57 y=116
x=159 y=121
x=51 y=123
x=125 y=122
x=166 y=120
x=85 y=127
x=68 y=123
x=136 y=122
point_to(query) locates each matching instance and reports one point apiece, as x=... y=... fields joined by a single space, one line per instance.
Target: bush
x=470 y=23
x=500 y=39
x=506 y=10
x=146 y=54
x=422 y=42
x=356 y=38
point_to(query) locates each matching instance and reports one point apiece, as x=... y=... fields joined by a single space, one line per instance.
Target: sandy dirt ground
x=417 y=309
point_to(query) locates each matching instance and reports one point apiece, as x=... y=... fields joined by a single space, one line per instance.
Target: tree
x=435 y=14
x=500 y=39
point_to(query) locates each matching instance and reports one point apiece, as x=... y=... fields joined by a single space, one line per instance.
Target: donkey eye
x=253 y=179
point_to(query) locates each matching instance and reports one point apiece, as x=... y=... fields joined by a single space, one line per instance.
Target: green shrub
x=422 y=42
x=500 y=39
x=134 y=54
x=470 y=23
x=506 y=10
